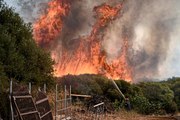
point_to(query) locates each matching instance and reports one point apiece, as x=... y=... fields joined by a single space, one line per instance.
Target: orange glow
x=49 y=25
x=119 y=67
x=107 y=13
x=91 y=59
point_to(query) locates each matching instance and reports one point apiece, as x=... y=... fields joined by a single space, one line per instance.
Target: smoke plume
x=151 y=28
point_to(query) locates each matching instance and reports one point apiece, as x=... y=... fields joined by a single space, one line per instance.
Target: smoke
x=151 y=27
x=78 y=23
x=29 y=10
x=80 y=20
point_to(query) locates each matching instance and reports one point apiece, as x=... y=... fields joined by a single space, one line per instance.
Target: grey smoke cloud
x=80 y=20
x=29 y=10
x=152 y=27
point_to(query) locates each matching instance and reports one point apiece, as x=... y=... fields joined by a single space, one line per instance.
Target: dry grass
x=122 y=115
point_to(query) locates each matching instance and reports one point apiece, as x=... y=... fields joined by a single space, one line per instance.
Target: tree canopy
x=20 y=57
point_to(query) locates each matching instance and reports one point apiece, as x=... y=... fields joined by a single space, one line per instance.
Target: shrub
x=141 y=104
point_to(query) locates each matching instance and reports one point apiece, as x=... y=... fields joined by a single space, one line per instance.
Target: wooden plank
x=27 y=96
x=46 y=114
x=102 y=103
x=40 y=101
x=27 y=113
x=78 y=95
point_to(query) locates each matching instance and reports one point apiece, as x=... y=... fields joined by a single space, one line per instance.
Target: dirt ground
x=123 y=115
x=141 y=118
x=134 y=116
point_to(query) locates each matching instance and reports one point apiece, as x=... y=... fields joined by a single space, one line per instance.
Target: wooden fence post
x=10 y=98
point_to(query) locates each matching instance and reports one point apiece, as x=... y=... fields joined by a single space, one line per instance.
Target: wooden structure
x=63 y=106
x=43 y=106
x=23 y=106
x=78 y=95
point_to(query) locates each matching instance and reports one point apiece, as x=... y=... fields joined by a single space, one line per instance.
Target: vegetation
x=20 y=58
x=145 y=97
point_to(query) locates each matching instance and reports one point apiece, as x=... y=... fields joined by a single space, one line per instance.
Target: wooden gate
x=25 y=107
x=43 y=107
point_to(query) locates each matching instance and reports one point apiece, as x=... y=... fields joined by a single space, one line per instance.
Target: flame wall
x=136 y=42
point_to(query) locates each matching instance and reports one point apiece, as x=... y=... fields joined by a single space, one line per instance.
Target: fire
x=83 y=59
x=107 y=13
x=119 y=67
x=51 y=22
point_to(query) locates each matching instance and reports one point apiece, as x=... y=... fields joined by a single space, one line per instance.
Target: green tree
x=20 y=57
x=176 y=88
x=141 y=104
x=160 y=96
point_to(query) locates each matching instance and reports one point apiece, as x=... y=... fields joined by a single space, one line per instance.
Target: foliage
x=145 y=97
x=20 y=57
x=174 y=84
x=116 y=104
x=159 y=95
x=141 y=104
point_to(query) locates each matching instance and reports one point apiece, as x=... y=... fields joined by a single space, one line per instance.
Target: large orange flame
x=49 y=25
x=92 y=59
